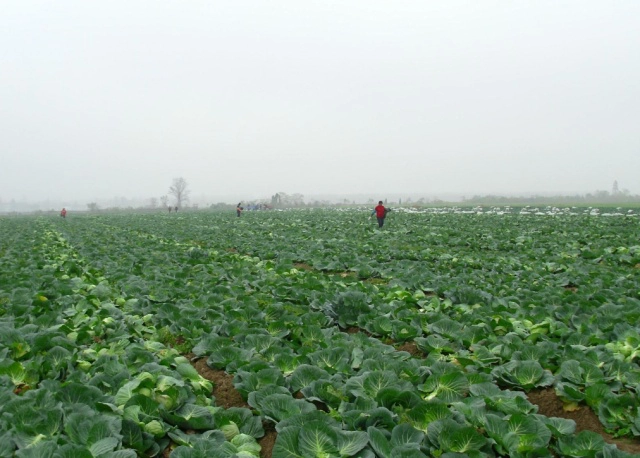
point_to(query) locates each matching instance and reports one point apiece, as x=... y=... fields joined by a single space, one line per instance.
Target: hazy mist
x=248 y=98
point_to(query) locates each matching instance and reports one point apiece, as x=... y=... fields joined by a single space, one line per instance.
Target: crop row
x=80 y=374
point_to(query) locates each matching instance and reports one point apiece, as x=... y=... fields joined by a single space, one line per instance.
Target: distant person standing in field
x=63 y=213
x=381 y=212
x=239 y=209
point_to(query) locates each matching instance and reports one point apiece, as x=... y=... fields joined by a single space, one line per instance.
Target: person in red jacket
x=380 y=212
x=63 y=213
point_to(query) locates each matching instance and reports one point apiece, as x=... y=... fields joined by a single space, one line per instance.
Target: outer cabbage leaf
x=246 y=381
x=286 y=445
x=518 y=433
x=405 y=434
x=558 y=426
x=317 y=439
x=277 y=407
x=191 y=416
x=402 y=331
x=379 y=442
x=331 y=392
x=616 y=412
x=437 y=344
x=361 y=419
x=331 y=359
x=347 y=307
x=306 y=374
x=256 y=398
x=425 y=413
x=446 y=327
x=305 y=418
x=585 y=443
x=510 y=402
x=370 y=383
x=580 y=373
x=450 y=436
x=349 y=443
x=447 y=387
x=243 y=419
x=524 y=374
x=226 y=356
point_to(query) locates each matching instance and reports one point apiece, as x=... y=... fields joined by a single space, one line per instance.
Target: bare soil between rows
x=546 y=399
x=550 y=405
x=227 y=396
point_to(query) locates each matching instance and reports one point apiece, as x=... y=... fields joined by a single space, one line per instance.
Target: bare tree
x=179 y=190
x=164 y=201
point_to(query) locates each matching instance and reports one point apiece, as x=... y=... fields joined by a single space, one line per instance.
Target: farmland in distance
x=439 y=335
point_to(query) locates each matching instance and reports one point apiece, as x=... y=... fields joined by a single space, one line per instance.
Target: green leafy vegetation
x=98 y=314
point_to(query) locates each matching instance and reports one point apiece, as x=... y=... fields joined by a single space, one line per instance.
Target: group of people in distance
x=380 y=211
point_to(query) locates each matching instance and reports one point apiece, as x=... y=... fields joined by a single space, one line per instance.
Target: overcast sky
x=116 y=98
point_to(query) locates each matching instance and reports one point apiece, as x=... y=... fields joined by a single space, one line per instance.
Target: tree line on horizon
x=615 y=196
x=179 y=192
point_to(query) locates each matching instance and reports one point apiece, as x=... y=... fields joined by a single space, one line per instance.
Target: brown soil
x=550 y=405
x=268 y=440
x=376 y=281
x=303 y=266
x=223 y=390
x=227 y=396
x=411 y=348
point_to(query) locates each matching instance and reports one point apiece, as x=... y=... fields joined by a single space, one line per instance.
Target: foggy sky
x=248 y=98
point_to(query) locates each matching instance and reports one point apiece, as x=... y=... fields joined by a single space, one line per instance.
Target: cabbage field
x=431 y=337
